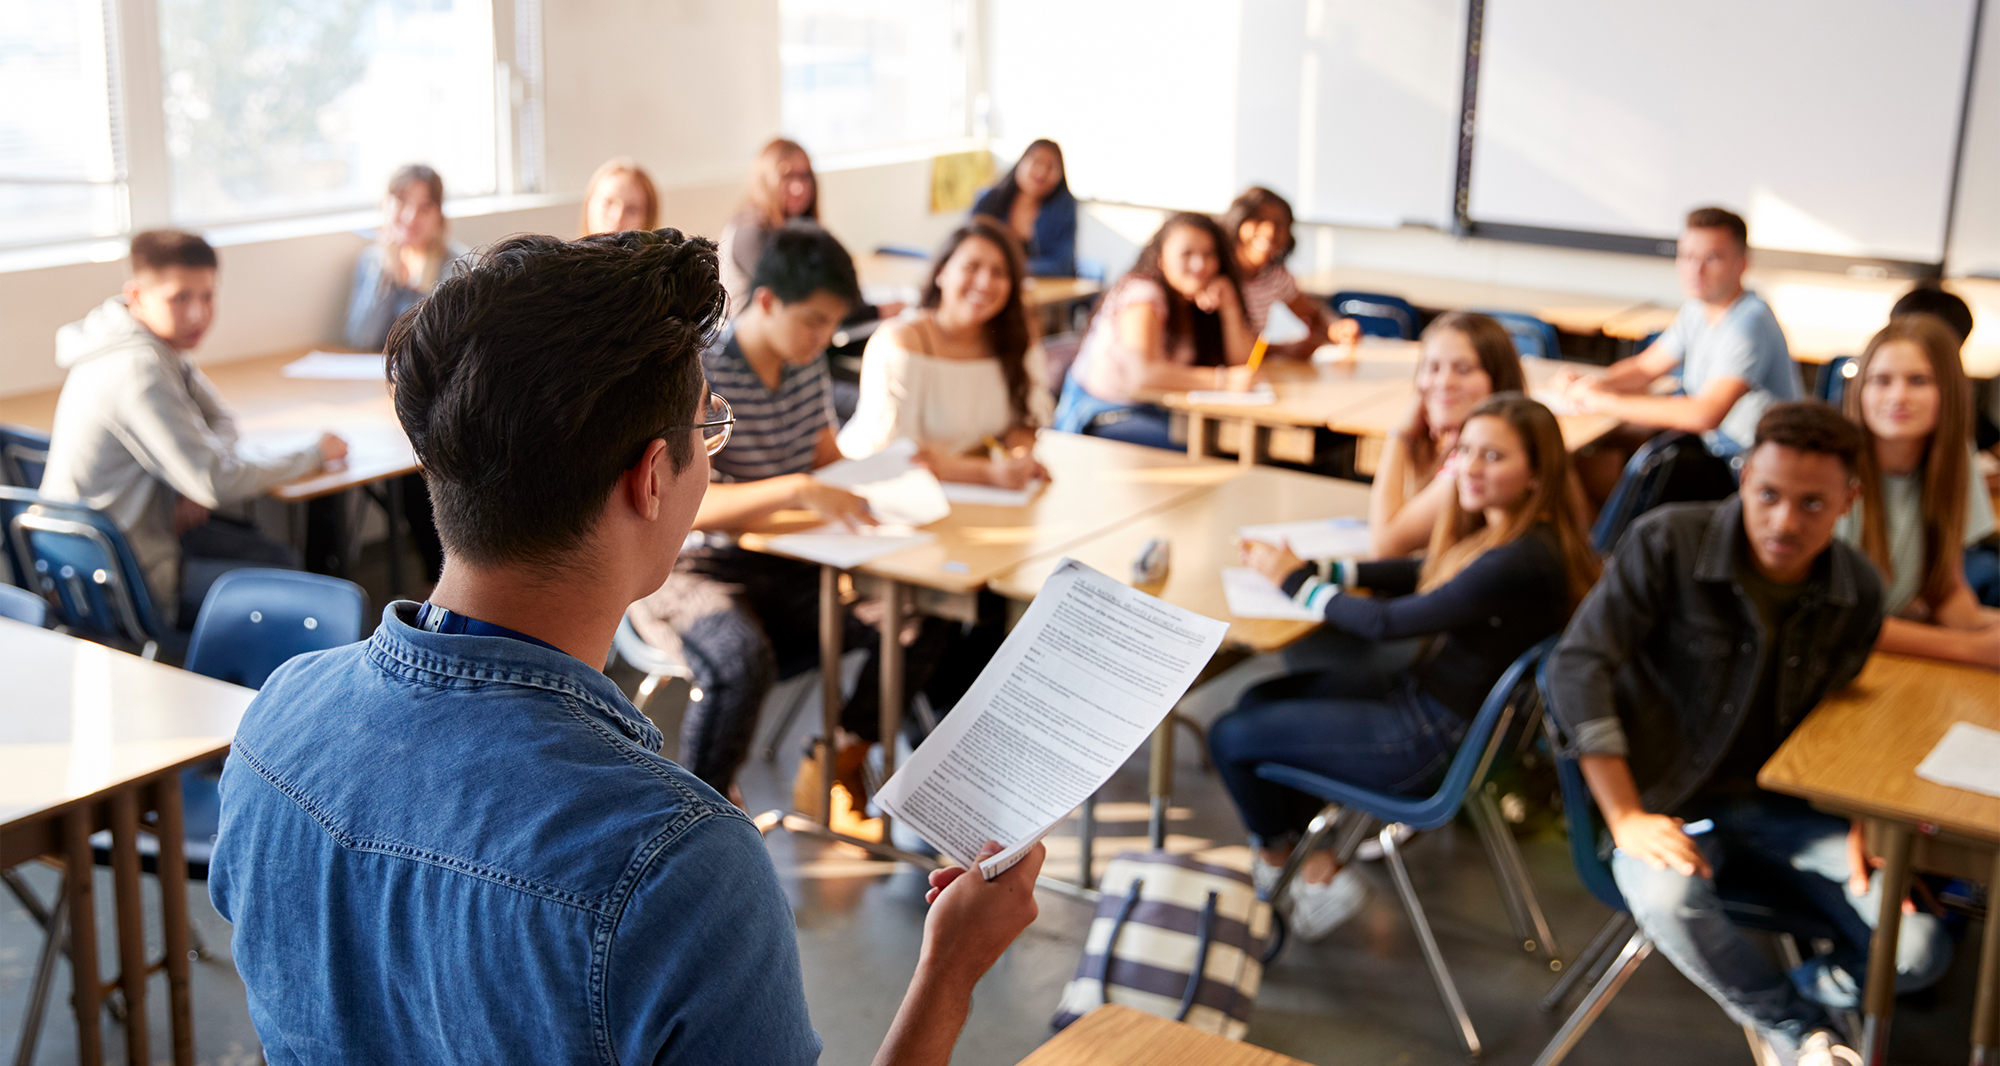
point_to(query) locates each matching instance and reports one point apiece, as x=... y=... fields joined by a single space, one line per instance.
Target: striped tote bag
x=1175 y=937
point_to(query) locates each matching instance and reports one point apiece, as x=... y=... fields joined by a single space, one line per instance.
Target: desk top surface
x=1307 y=394
x=1200 y=529
x=880 y=270
x=84 y=718
x=1113 y=1035
x=1096 y=485
x=1379 y=414
x=1858 y=751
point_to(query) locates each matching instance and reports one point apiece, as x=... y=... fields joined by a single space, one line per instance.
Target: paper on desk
x=1251 y=595
x=836 y=545
x=1318 y=538
x=1091 y=669
x=336 y=366
x=1281 y=326
x=991 y=495
x=1967 y=757
x=896 y=488
x=1225 y=398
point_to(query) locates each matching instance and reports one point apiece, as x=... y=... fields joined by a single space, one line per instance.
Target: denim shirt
x=1661 y=662
x=451 y=848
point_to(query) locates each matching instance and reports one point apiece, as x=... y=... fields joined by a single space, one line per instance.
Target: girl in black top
x=1508 y=560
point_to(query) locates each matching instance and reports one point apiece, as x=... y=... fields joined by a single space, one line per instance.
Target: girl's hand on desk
x=1275 y=561
x=1345 y=332
x=331 y=449
x=1014 y=470
x=837 y=505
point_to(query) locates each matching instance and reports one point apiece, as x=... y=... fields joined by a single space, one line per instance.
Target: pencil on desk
x=1257 y=353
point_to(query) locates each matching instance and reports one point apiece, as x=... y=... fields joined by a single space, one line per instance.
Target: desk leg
x=1160 y=781
x=895 y=599
x=1250 y=448
x=1197 y=444
x=1879 y=1000
x=831 y=643
x=1986 y=1005
x=131 y=924
x=87 y=993
x=174 y=915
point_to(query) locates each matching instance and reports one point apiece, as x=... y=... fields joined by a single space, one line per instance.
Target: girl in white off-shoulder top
x=962 y=371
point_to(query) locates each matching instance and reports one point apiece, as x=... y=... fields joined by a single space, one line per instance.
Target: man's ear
x=646 y=484
x=131 y=290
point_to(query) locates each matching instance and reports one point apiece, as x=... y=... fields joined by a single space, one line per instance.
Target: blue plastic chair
x=79 y=559
x=1475 y=756
x=254 y=619
x=1748 y=906
x=23 y=606
x=1378 y=314
x=24 y=454
x=1672 y=467
x=1531 y=335
x=1830 y=384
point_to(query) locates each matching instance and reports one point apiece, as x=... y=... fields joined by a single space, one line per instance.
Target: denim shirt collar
x=1716 y=562
x=398 y=645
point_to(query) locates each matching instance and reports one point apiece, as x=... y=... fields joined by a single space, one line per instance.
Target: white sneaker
x=1822 y=1048
x=1264 y=875
x=1370 y=850
x=1318 y=909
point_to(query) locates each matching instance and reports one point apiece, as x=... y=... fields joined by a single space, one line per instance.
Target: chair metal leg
x=1316 y=830
x=1615 y=931
x=1086 y=840
x=1637 y=947
x=1447 y=989
x=1531 y=927
x=794 y=705
x=1188 y=723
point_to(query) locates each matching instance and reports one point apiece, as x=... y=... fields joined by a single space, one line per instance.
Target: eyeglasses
x=716 y=422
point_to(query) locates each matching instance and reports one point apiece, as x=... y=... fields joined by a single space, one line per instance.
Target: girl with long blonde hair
x=1508 y=562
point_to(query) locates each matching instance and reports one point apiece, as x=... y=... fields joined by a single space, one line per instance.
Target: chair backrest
x=79 y=560
x=1475 y=754
x=1378 y=314
x=24 y=454
x=1586 y=827
x=23 y=606
x=1673 y=467
x=253 y=620
x=1831 y=382
x=1531 y=335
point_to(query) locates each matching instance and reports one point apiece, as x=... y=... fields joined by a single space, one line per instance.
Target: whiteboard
x=1348 y=108
x=1830 y=125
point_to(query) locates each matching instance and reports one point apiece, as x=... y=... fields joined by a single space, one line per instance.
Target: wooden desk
x=1307 y=394
x=1096 y=484
x=1113 y=1035
x=1857 y=754
x=100 y=738
x=1379 y=416
x=1571 y=312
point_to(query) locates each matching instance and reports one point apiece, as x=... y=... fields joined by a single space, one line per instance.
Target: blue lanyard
x=434 y=619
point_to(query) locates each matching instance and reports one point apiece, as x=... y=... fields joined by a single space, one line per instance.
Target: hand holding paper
x=1084 y=678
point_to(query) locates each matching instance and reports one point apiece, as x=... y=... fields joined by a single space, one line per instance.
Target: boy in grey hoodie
x=141 y=435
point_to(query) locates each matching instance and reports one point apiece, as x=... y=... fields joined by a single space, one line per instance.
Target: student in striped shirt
x=738 y=619
x=1261 y=222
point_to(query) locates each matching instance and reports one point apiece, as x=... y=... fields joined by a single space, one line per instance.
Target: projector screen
x=1830 y=125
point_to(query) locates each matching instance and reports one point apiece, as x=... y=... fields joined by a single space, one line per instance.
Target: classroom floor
x=1361 y=996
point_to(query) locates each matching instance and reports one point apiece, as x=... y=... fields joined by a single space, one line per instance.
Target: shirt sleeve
x=1674 y=338
x=886 y=409
x=1492 y=584
x=703 y=965
x=369 y=309
x=1608 y=628
x=1055 y=239
x=163 y=425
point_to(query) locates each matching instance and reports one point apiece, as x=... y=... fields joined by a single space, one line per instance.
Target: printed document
x=1251 y=595
x=898 y=490
x=1320 y=538
x=1080 y=683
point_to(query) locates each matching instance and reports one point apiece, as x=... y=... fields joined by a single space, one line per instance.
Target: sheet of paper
x=1225 y=398
x=896 y=488
x=1251 y=595
x=836 y=545
x=990 y=495
x=336 y=366
x=1967 y=757
x=1318 y=538
x=1090 y=670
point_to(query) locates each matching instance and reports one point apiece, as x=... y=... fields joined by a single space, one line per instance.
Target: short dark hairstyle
x=530 y=381
x=1812 y=426
x=1929 y=298
x=801 y=259
x=157 y=249
x=1252 y=203
x=1721 y=218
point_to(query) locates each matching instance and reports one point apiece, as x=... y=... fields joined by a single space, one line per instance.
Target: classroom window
x=868 y=74
x=62 y=158
x=282 y=107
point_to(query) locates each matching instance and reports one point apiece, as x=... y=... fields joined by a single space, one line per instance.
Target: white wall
x=1975 y=230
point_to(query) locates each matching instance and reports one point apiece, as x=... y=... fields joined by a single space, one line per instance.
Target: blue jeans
x=1356 y=725
x=1774 y=841
x=1144 y=424
x=1982 y=572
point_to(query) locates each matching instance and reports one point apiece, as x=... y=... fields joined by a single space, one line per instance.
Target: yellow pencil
x=1257 y=353
x=994 y=449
